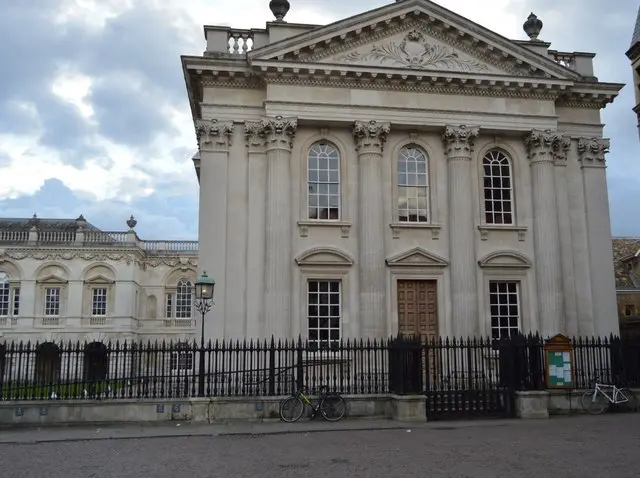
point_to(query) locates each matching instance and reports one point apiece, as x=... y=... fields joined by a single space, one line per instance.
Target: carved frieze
x=279 y=132
x=592 y=151
x=414 y=51
x=459 y=140
x=214 y=135
x=370 y=136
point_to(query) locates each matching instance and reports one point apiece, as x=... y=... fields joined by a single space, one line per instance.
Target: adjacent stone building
x=66 y=280
x=626 y=253
x=633 y=53
x=402 y=170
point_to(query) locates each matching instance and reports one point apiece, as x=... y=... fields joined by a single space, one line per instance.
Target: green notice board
x=559 y=368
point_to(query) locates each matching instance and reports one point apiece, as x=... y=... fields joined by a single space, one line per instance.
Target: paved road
x=604 y=446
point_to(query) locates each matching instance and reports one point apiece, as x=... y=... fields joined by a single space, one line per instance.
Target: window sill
x=303 y=226
x=396 y=227
x=485 y=229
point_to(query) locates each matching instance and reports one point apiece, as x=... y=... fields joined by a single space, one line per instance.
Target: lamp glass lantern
x=204 y=287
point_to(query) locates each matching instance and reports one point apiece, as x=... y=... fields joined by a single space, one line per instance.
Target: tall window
x=9 y=297
x=182 y=358
x=498 y=188
x=99 y=302
x=179 y=304
x=324 y=310
x=323 y=181
x=504 y=302
x=52 y=302
x=413 y=185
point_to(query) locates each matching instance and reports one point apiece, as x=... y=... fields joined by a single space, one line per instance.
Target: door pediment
x=505 y=260
x=417 y=257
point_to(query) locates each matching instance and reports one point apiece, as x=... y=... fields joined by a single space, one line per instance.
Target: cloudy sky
x=94 y=118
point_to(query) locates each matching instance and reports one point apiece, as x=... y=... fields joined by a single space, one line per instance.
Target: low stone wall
x=204 y=410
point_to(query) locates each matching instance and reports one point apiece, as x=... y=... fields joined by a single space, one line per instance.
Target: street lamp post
x=204 y=301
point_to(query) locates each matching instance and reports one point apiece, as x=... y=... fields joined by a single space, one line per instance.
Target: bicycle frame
x=615 y=392
x=307 y=401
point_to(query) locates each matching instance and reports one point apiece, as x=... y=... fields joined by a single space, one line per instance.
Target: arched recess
x=98 y=298
x=52 y=279
x=505 y=260
x=11 y=268
x=324 y=256
x=48 y=363
x=96 y=364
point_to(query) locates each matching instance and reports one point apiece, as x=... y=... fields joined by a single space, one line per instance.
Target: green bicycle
x=331 y=406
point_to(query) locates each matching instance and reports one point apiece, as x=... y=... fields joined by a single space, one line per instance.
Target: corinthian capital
x=459 y=140
x=214 y=135
x=279 y=132
x=254 y=135
x=591 y=151
x=370 y=136
x=542 y=144
x=561 y=149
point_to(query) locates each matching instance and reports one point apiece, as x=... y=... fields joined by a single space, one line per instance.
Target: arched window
x=498 y=188
x=413 y=185
x=179 y=304
x=9 y=297
x=323 y=181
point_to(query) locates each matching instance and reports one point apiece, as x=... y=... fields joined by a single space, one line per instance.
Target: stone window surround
x=98 y=282
x=14 y=284
x=304 y=223
x=173 y=291
x=520 y=275
x=517 y=227
x=433 y=224
x=52 y=281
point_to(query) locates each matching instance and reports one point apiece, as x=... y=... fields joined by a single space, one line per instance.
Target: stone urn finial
x=279 y=8
x=131 y=222
x=532 y=26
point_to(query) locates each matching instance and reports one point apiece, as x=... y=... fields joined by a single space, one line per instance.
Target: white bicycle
x=596 y=399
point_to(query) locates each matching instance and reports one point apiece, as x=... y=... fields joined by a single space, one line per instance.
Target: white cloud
x=73 y=87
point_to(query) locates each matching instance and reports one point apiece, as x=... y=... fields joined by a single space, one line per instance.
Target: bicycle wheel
x=333 y=407
x=593 y=404
x=291 y=409
x=630 y=404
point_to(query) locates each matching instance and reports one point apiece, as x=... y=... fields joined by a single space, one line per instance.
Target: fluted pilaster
x=458 y=142
x=542 y=148
x=591 y=154
x=214 y=142
x=278 y=134
x=370 y=138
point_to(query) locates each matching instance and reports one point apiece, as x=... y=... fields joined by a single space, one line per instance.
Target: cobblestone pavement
x=604 y=446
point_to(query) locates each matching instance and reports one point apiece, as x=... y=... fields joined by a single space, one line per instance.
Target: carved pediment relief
x=324 y=256
x=417 y=257
x=505 y=260
x=412 y=49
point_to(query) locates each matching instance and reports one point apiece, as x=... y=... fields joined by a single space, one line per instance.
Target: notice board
x=558 y=353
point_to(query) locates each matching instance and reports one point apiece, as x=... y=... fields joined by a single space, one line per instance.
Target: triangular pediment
x=52 y=279
x=99 y=279
x=413 y=35
x=417 y=257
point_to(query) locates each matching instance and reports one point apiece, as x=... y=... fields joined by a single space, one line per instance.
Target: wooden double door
x=418 y=308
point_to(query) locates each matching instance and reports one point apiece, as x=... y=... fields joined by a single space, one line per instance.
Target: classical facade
x=402 y=170
x=633 y=53
x=66 y=280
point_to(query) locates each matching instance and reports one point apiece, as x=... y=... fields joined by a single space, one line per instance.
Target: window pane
x=504 y=308
x=497 y=188
x=323 y=181
x=413 y=184
x=324 y=328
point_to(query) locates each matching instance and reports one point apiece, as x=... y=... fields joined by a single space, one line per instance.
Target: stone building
x=633 y=53
x=626 y=253
x=64 y=280
x=401 y=170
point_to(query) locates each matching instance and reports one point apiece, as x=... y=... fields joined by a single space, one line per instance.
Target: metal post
x=201 y=372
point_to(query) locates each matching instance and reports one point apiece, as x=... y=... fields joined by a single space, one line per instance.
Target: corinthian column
x=370 y=138
x=458 y=142
x=542 y=148
x=592 y=153
x=278 y=134
x=214 y=140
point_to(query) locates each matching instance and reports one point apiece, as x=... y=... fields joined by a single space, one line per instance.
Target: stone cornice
x=370 y=136
x=214 y=135
x=459 y=140
x=592 y=151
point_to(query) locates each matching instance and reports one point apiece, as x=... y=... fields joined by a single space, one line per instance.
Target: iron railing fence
x=401 y=365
